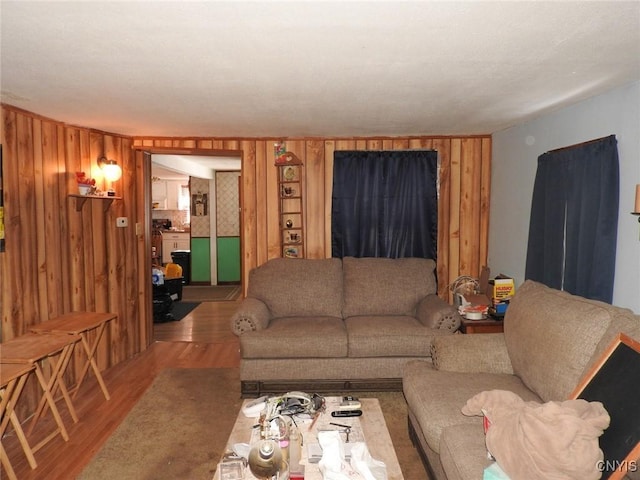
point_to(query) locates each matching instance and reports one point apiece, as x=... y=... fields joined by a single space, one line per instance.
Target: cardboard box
x=503 y=288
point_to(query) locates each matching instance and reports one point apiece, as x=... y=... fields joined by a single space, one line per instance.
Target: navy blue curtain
x=574 y=219
x=384 y=204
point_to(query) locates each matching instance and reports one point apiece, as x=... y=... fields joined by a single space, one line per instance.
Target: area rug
x=181 y=309
x=212 y=293
x=179 y=429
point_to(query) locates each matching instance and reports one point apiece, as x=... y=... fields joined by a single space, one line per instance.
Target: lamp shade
x=111 y=170
x=265 y=459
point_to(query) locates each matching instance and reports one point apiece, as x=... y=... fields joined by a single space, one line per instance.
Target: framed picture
x=199 y=204
x=614 y=381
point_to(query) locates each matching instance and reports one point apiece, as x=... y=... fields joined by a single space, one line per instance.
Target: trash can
x=183 y=258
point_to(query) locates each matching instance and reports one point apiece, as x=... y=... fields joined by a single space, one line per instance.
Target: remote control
x=346 y=413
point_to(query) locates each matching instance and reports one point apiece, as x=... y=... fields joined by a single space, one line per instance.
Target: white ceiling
x=311 y=68
x=180 y=167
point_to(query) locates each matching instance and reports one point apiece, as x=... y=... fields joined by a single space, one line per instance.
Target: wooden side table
x=30 y=349
x=487 y=325
x=80 y=323
x=12 y=380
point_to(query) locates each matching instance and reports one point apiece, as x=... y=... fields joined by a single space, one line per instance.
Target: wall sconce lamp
x=110 y=168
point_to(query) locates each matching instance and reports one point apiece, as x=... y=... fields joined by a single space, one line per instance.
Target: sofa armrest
x=433 y=312
x=481 y=353
x=251 y=315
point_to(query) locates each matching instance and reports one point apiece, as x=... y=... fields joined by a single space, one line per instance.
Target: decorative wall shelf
x=81 y=199
x=291 y=206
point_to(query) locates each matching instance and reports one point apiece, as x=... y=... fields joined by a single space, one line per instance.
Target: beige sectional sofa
x=550 y=341
x=337 y=324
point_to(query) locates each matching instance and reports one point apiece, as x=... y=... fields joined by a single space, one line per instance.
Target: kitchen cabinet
x=169 y=195
x=174 y=241
x=159 y=194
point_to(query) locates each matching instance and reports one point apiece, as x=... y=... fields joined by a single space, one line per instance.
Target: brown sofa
x=550 y=341
x=331 y=325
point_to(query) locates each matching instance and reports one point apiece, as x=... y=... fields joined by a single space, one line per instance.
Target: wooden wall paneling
x=75 y=238
x=400 y=144
x=113 y=248
x=249 y=225
x=329 y=149
x=485 y=197
x=361 y=144
x=472 y=168
x=374 y=144
x=231 y=144
x=345 y=144
x=64 y=180
x=27 y=221
x=387 y=143
x=217 y=144
x=39 y=193
x=252 y=154
x=12 y=321
x=456 y=202
x=467 y=204
x=454 y=210
x=314 y=199
x=204 y=144
x=99 y=251
x=443 y=147
x=54 y=211
x=91 y=226
x=266 y=212
x=185 y=143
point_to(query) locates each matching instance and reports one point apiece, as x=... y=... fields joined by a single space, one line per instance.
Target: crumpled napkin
x=333 y=465
x=363 y=463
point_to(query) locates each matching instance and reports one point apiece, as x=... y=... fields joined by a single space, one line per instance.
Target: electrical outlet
x=122 y=222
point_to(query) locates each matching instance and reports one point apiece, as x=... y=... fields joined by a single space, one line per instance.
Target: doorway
x=207 y=217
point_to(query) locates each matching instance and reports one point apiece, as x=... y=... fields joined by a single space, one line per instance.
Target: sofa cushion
x=437 y=397
x=299 y=287
x=387 y=336
x=297 y=337
x=551 y=336
x=385 y=286
x=463 y=452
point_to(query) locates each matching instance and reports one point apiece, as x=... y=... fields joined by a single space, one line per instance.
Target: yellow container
x=173 y=270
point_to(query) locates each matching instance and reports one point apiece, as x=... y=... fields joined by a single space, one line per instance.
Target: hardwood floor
x=202 y=339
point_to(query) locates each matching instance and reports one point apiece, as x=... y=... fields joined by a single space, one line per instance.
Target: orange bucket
x=173 y=270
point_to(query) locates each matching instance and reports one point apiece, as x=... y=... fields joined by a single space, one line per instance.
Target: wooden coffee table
x=371 y=423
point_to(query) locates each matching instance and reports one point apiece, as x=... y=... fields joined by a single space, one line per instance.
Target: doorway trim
x=213 y=152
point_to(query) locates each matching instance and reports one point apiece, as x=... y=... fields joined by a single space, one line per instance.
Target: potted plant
x=86 y=185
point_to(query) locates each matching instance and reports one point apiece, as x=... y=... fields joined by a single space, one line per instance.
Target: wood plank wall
x=59 y=259
x=465 y=172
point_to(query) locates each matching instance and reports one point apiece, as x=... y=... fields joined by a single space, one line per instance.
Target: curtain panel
x=385 y=204
x=574 y=219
